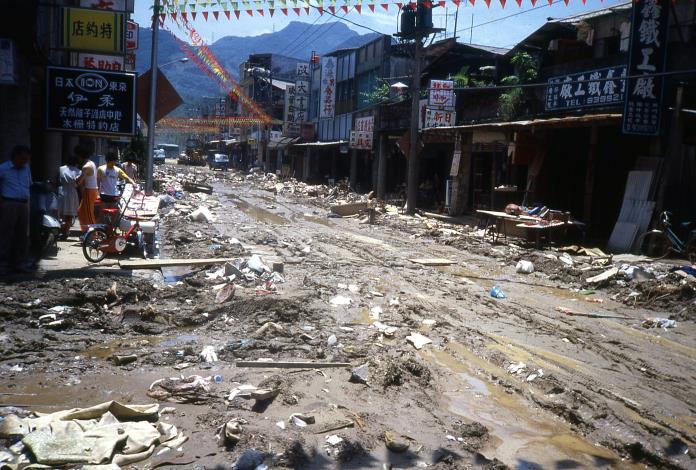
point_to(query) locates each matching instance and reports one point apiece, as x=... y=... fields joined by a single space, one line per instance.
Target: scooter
x=44 y=228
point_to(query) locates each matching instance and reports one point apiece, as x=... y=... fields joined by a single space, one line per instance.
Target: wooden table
x=545 y=230
x=497 y=228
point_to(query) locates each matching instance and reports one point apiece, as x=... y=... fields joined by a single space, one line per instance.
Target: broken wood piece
x=335 y=426
x=432 y=261
x=605 y=276
x=573 y=313
x=161 y=263
x=345 y=210
x=290 y=365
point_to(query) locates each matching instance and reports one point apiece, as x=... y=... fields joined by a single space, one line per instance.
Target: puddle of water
x=521 y=436
x=317 y=220
x=261 y=215
x=173 y=274
x=125 y=346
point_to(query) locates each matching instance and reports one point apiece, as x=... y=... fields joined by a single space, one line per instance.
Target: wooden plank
x=345 y=210
x=291 y=365
x=432 y=261
x=161 y=263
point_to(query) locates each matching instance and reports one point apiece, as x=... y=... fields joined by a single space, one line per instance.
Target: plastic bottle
x=217 y=379
x=498 y=293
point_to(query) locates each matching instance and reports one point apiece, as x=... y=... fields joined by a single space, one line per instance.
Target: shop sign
x=441 y=94
x=290 y=128
x=647 y=56
x=438 y=118
x=131 y=35
x=602 y=87
x=118 y=5
x=300 y=100
x=90 y=101
x=130 y=62
x=365 y=124
x=327 y=86
x=93 y=30
x=361 y=140
x=101 y=62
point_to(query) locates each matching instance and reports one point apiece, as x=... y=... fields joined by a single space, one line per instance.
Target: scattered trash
x=573 y=313
x=340 y=300
x=394 y=445
x=534 y=375
x=333 y=440
x=202 y=214
x=524 y=267
x=394 y=302
x=497 y=293
x=332 y=341
x=517 y=368
x=121 y=360
x=429 y=322
x=360 y=374
x=375 y=312
x=281 y=424
x=605 y=276
x=230 y=433
x=225 y=293
x=663 y=323
x=297 y=422
x=418 y=340
x=301 y=420
x=208 y=354
x=353 y=288
x=566 y=259
x=250 y=392
x=255 y=263
x=191 y=389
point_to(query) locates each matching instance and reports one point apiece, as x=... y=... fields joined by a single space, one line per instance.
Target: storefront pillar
x=52 y=157
x=590 y=175
x=353 y=169
x=382 y=166
x=306 y=165
x=461 y=174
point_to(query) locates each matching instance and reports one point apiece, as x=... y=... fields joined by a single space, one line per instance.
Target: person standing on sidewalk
x=88 y=182
x=15 y=183
x=68 y=200
x=131 y=168
x=108 y=176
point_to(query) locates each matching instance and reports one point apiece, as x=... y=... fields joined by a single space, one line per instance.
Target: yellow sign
x=93 y=30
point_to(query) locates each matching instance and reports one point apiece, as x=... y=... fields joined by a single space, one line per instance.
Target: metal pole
x=413 y=180
x=153 y=99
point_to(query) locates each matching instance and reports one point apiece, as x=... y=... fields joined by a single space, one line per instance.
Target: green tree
x=526 y=71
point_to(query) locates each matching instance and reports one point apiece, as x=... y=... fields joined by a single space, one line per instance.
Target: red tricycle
x=117 y=232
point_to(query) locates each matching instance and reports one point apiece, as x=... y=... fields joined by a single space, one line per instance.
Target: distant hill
x=296 y=41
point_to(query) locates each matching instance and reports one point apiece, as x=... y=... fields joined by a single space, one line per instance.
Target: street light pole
x=153 y=100
x=413 y=163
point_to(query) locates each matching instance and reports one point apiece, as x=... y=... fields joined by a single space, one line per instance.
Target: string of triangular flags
x=204 y=58
x=217 y=9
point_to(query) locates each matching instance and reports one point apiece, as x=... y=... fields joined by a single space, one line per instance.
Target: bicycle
x=658 y=243
x=113 y=236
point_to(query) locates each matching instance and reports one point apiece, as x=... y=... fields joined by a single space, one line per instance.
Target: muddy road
x=504 y=382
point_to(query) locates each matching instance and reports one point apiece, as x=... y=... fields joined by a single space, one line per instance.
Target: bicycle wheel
x=654 y=244
x=690 y=250
x=90 y=246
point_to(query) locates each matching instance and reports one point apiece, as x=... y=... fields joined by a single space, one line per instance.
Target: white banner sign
x=365 y=124
x=101 y=62
x=361 y=140
x=438 y=118
x=327 y=101
x=441 y=94
x=297 y=108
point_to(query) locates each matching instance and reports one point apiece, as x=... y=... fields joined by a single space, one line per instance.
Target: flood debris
x=191 y=389
x=108 y=433
x=663 y=323
x=418 y=340
x=230 y=433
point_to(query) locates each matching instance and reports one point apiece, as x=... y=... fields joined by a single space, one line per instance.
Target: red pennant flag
x=250 y=12
x=285 y=11
x=400 y=5
x=442 y=4
x=193 y=15
x=205 y=15
x=306 y=10
x=551 y=2
x=174 y=16
x=585 y=1
x=345 y=8
x=519 y=3
x=320 y=10
x=227 y=14
x=566 y=2
x=358 y=8
x=502 y=3
x=271 y=10
x=260 y=12
x=472 y=2
x=385 y=6
x=216 y=14
x=163 y=17
x=332 y=10
x=457 y=2
x=236 y=13
x=488 y=3
x=297 y=11
x=371 y=7
x=427 y=4
x=184 y=15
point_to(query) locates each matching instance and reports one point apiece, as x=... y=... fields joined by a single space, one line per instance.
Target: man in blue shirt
x=15 y=181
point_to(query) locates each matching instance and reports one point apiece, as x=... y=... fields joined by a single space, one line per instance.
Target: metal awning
x=321 y=144
x=566 y=121
x=282 y=143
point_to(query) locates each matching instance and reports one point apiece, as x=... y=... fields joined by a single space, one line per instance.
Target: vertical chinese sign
x=93 y=30
x=301 y=98
x=648 y=54
x=327 y=87
x=362 y=137
x=90 y=102
x=289 y=126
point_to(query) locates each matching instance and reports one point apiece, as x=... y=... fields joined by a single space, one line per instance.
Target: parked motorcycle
x=44 y=226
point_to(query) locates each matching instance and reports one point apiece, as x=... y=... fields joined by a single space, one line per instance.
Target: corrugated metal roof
x=491 y=49
x=321 y=144
x=594 y=14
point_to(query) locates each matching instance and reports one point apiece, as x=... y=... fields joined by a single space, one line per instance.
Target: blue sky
x=503 y=33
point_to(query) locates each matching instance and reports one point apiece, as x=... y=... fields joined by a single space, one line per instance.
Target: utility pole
x=413 y=160
x=153 y=99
